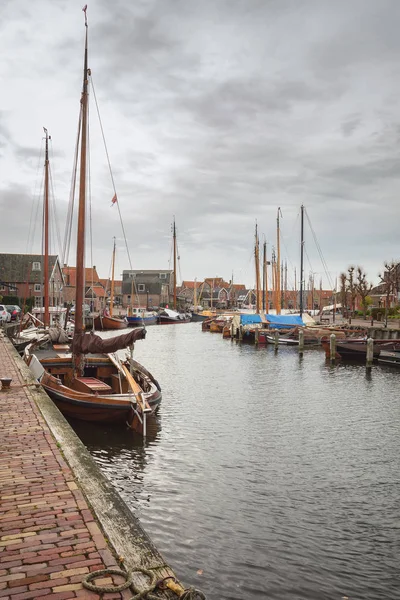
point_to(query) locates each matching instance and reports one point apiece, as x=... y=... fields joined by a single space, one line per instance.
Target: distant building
x=95 y=294
x=147 y=288
x=22 y=275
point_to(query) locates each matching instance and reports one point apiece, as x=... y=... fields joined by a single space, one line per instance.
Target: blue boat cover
x=276 y=321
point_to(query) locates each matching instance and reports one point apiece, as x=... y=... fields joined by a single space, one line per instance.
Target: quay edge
x=122 y=530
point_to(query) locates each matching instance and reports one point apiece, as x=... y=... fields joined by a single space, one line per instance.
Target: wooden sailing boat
x=90 y=382
x=105 y=320
x=167 y=316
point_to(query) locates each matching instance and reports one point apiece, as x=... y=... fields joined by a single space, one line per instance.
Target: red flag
x=84 y=8
x=114 y=199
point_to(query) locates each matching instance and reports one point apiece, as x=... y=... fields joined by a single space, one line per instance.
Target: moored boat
x=138 y=317
x=104 y=322
x=166 y=316
x=88 y=380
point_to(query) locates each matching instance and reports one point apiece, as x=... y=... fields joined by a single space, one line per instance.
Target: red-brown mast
x=174 y=235
x=46 y=318
x=80 y=248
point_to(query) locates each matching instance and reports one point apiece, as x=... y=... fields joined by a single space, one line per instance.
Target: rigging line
x=55 y=219
x=68 y=226
x=111 y=173
x=38 y=206
x=89 y=183
x=320 y=252
x=30 y=235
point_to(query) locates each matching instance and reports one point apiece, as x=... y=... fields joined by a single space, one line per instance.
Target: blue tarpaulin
x=275 y=321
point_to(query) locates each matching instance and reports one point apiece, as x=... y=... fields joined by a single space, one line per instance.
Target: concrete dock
x=60 y=518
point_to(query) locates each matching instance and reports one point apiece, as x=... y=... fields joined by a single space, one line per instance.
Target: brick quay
x=60 y=518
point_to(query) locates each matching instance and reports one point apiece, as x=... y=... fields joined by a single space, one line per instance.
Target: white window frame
x=141 y=287
x=163 y=276
x=38 y=302
x=37 y=287
x=36 y=266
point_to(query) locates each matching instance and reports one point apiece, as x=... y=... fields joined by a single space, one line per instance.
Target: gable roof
x=17 y=268
x=70 y=275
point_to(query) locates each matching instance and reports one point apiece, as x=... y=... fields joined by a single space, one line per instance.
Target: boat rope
x=170 y=582
x=320 y=252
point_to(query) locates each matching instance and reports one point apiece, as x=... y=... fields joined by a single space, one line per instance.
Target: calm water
x=276 y=476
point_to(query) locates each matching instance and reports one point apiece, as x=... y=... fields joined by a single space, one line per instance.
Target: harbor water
x=271 y=475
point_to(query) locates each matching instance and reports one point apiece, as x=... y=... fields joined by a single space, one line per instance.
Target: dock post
x=256 y=334
x=301 y=340
x=232 y=331
x=276 y=339
x=240 y=333
x=332 y=347
x=370 y=353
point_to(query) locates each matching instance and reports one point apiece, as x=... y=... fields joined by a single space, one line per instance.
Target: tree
x=363 y=288
x=390 y=278
x=351 y=286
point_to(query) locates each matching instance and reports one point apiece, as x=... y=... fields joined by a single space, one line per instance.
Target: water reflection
x=275 y=474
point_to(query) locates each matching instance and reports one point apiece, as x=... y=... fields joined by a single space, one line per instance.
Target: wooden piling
x=256 y=335
x=332 y=347
x=276 y=339
x=301 y=340
x=370 y=353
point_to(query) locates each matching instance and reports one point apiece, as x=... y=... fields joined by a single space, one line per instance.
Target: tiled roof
x=70 y=275
x=17 y=268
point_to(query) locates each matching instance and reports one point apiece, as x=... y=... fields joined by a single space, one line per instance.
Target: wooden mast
x=112 y=282
x=174 y=238
x=278 y=266
x=195 y=295
x=301 y=261
x=257 y=264
x=80 y=246
x=46 y=318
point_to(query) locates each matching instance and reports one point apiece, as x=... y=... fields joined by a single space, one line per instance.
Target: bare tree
x=390 y=278
x=363 y=288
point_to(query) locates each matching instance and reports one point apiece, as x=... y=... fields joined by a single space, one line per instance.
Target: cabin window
x=38 y=302
x=141 y=287
x=163 y=276
x=36 y=266
x=38 y=287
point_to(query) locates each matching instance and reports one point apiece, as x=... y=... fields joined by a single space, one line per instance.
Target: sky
x=214 y=113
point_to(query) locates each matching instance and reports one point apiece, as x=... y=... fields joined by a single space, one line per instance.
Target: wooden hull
x=102 y=394
x=357 y=349
x=104 y=323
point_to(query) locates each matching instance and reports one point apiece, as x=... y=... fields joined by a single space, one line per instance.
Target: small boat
x=141 y=316
x=389 y=358
x=167 y=316
x=356 y=348
x=199 y=317
x=105 y=322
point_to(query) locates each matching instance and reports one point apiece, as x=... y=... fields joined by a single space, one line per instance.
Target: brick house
x=147 y=288
x=22 y=275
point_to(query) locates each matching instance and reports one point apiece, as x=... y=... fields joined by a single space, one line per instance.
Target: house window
x=38 y=287
x=163 y=276
x=36 y=266
x=2 y=288
x=141 y=287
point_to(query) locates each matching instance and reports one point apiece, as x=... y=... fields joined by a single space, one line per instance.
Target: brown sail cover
x=89 y=343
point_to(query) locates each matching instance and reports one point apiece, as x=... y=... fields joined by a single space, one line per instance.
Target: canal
x=271 y=475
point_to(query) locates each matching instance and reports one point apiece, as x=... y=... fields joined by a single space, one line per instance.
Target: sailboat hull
x=105 y=323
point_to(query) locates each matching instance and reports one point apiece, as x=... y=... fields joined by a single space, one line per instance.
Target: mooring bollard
x=256 y=334
x=370 y=353
x=232 y=330
x=240 y=333
x=301 y=340
x=332 y=347
x=276 y=339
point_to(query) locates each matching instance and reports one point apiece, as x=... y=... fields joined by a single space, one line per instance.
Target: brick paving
x=49 y=538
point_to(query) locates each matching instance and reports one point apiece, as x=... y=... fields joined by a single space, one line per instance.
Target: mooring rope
x=145 y=593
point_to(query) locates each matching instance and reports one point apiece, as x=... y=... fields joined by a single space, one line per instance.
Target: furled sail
x=90 y=343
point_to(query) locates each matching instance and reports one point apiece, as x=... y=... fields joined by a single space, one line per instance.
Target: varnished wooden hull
x=104 y=323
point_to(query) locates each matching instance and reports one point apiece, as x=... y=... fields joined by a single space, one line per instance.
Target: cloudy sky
x=217 y=112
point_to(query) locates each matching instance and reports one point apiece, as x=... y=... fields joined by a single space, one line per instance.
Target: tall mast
x=285 y=303
x=257 y=263
x=112 y=282
x=46 y=233
x=264 y=284
x=174 y=237
x=195 y=295
x=80 y=247
x=301 y=260
x=278 y=266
